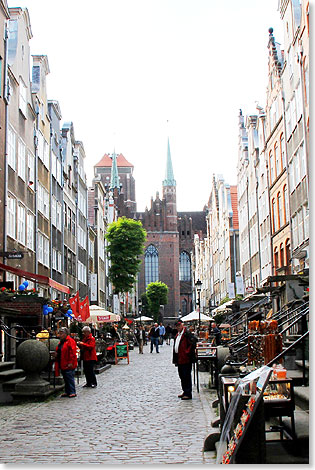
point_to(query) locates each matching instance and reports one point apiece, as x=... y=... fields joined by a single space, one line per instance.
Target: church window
x=151 y=260
x=184 y=267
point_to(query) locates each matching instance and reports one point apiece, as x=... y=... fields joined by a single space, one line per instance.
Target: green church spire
x=114 y=182
x=169 y=175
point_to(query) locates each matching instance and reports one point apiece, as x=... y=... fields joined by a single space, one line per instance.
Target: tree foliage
x=157 y=293
x=125 y=239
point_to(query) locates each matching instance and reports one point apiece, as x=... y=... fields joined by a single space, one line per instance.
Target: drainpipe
x=36 y=186
x=248 y=228
x=6 y=120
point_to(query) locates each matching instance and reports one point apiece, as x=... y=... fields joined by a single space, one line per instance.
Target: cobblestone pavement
x=133 y=417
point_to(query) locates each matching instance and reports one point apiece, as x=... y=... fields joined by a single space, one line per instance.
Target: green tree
x=157 y=295
x=125 y=239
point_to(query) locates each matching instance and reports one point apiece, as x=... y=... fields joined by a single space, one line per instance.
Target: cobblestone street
x=133 y=417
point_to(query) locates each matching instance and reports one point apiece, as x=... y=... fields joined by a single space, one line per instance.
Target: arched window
x=287 y=253
x=282 y=150
x=286 y=203
x=184 y=267
x=281 y=255
x=278 y=166
x=273 y=208
x=280 y=209
x=151 y=264
x=272 y=166
x=276 y=259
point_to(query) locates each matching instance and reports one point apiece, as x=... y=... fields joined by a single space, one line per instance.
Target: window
x=54 y=259
x=21 y=224
x=278 y=166
x=280 y=209
x=30 y=231
x=276 y=259
x=40 y=138
x=58 y=221
x=274 y=226
x=282 y=150
x=43 y=250
x=306 y=221
x=151 y=260
x=294 y=232
x=302 y=159
x=53 y=164
x=54 y=211
x=81 y=272
x=300 y=226
x=43 y=200
x=30 y=168
x=286 y=203
x=21 y=160
x=58 y=173
x=281 y=255
x=11 y=216
x=11 y=148
x=59 y=266
x=22 y=98
x=287 y=252
x=46 y=154
x=184 y=267
x=272 y=167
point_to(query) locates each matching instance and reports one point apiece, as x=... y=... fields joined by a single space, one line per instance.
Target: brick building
x=170 y=234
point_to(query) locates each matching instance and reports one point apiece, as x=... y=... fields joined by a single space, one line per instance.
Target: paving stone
x=133 y=416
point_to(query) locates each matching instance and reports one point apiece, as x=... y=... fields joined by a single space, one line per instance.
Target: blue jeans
x=155 y=342
x=68 y=377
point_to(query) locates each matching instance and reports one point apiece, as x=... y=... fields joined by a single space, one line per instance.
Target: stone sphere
x=32 y=355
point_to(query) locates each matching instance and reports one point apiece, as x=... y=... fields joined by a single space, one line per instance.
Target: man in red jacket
x=183 y=357
x=66 y=360
x=87 y=346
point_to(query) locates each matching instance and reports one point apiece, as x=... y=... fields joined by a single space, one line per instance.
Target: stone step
x=302 y=425
x=302 y=397
x=6 y=375
x=297 y=376
x=6 y=365
x=9 y=386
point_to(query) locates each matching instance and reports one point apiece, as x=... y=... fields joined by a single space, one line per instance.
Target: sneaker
x=72 y=395
x=186 y=397
x=181 y=395
x=86 y=386
x=93 y=386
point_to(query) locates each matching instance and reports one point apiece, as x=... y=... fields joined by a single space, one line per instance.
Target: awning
x=45 y=280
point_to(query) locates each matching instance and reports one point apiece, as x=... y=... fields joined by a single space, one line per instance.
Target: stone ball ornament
x=32 y=356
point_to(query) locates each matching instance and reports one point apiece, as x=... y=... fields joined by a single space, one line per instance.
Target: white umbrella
x=143 y=318
x=195 y=316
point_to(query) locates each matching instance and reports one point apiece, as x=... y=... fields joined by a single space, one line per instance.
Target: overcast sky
x=121 y=69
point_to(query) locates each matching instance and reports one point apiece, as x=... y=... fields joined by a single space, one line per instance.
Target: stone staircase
x=9 y=377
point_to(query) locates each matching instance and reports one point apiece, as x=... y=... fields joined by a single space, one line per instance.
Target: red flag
x=84 y=309
x=74 y=304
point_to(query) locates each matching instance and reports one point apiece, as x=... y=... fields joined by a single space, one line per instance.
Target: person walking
x=87 y=346
x=154 y=335
x=141 y=338
x=162 y=333
x=168 y=334
x=183 y=357
x=66 y=361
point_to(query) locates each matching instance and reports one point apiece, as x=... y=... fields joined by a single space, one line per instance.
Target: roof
x=234 y=202
x=107 y=161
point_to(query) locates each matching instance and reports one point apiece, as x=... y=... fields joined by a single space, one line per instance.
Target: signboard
x=231 y=290
x=93 y=287
x=121 y=351
x=12 y=254
x=239 y=285
x=116 y=304
x=104 y=318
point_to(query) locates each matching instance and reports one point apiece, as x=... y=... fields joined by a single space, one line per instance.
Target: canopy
x=223 y=307
x=195 y=316
x=100 y=315
x=143 y=318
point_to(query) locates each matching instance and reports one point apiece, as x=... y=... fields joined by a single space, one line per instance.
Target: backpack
x=192 y=339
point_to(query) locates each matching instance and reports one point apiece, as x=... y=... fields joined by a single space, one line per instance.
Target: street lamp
x=198 y=285
x=139 y=308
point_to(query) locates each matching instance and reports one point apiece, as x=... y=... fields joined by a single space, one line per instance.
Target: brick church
x=170 y=234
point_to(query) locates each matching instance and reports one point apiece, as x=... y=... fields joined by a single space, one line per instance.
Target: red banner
x=74 y=304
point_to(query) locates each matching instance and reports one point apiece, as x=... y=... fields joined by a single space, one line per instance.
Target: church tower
x=169 y=194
